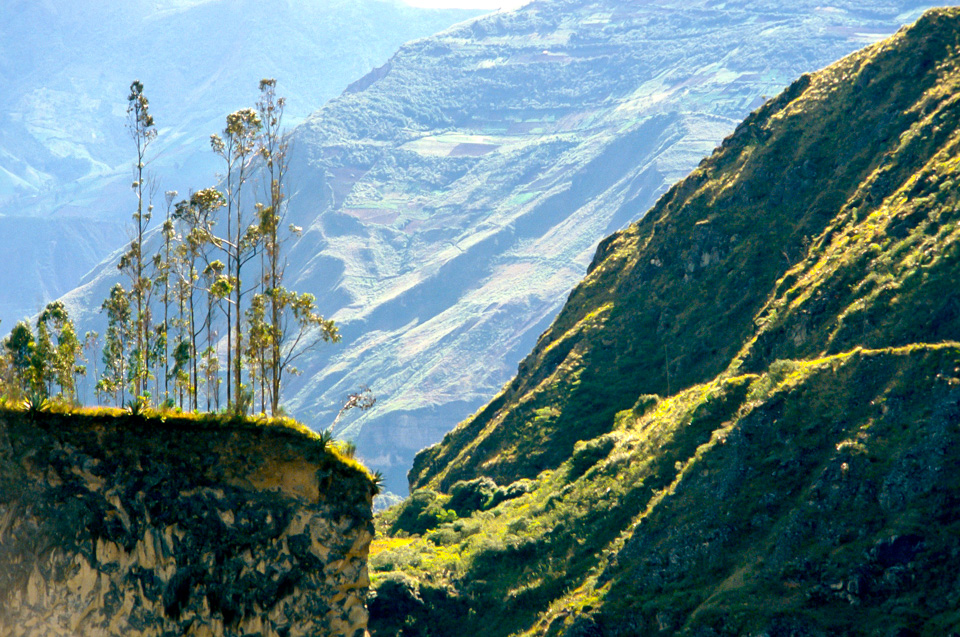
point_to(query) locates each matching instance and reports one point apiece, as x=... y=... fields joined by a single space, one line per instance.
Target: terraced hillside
x=744 y=419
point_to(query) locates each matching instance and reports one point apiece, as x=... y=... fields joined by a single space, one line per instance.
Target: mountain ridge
x=541 y=191
x=446 y=216
x=714 y=236
x=785 y=466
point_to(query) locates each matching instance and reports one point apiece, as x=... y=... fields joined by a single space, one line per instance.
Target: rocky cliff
x=744 y=419
x=120 y=525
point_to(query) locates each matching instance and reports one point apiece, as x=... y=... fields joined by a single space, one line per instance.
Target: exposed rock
x=118 y=526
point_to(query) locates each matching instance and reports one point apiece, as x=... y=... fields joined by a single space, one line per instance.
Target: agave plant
x=137 y=406
x=326 y=437
x=378 y=482
x=35 y=402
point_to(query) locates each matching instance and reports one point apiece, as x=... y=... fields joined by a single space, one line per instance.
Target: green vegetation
x=46 y=366
x=672 y=300
x=268 y=327
x=744 y=419
x=465 y=183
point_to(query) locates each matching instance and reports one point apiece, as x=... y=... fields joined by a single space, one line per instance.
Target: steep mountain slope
x=792 y=299
x=453 y=197
x=66 y=68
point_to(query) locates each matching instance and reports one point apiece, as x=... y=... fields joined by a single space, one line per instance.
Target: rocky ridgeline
x=125 y=526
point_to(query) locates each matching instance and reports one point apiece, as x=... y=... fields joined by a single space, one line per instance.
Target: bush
x=424 y=510
x=587 y=453
x=468 y=496
x=511 y=491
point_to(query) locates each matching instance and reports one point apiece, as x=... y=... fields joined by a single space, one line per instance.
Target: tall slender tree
x=58 y=362
x=238 y=148
x=90 y=341
x=143 y=131
x=163 y=279
x=274 y=148
x=217 y=288
x=116 y=344
x=43 y=359
x=20 y=345
x=292 y=325
x=198 y=214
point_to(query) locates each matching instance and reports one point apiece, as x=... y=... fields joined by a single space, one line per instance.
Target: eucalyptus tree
x=166 y=267
x=143 y=130
x=217 y=287
x=90 y=343
x=58 y=362
x=43 y=357
x=286 y=323
x=116 y=344
x=299 y=329
x=237 y=147
x=20 y=345
x=198 y=215
x=258 y=347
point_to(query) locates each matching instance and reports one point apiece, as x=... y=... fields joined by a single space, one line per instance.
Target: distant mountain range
x=452 y=197
x=66 y=67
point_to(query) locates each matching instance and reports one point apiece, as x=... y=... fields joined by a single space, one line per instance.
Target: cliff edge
x=117 y=524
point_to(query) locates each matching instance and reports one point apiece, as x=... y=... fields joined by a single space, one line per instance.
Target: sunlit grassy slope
x=744 y=420
x=825 y=221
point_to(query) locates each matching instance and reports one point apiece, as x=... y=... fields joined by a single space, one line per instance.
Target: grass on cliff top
x=75 y=420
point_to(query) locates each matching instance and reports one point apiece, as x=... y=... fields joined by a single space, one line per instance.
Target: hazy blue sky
x=468 y=4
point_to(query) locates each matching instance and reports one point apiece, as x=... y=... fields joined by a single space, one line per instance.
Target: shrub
x=424 y=510
x=468 y=496
x=587 y=453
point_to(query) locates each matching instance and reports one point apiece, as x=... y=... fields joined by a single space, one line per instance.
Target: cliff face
x=123 y=526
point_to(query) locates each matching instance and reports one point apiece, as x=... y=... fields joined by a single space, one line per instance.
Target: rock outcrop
x=120 y=525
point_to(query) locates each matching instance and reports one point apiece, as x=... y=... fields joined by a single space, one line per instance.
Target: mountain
x=744 y=419
x=66 y=67
x=452 y=198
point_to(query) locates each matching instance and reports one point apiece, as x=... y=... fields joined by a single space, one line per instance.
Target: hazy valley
x=65 y=154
